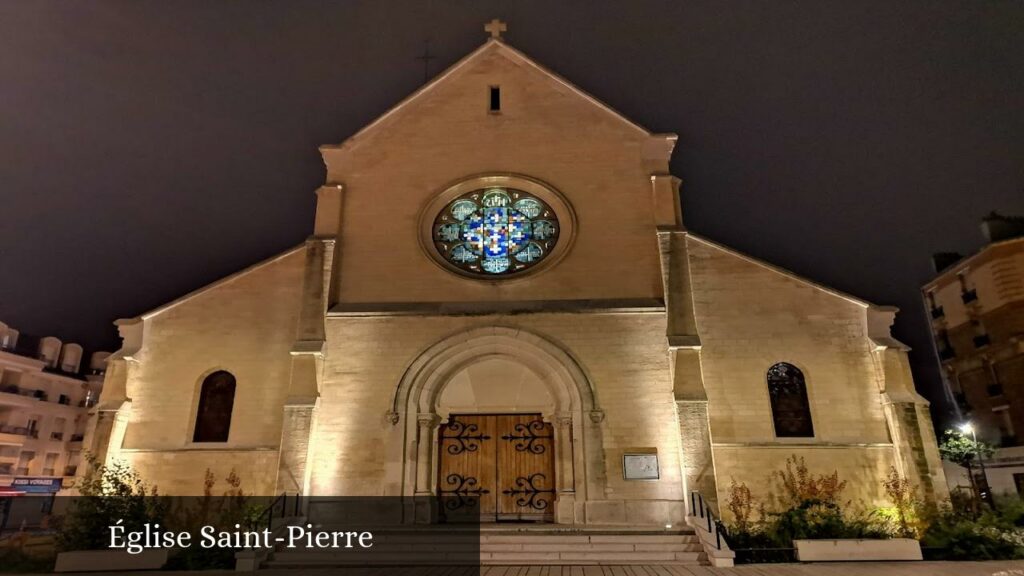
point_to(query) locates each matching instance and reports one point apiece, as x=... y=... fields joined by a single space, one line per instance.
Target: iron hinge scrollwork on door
x=465 y=438
x=465 y=494
x=529 y=493
x=526 y=437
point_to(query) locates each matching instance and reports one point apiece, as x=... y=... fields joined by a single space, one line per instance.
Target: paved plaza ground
x=1004 y=568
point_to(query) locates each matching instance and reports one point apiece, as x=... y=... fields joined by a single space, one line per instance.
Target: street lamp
x=968 y=428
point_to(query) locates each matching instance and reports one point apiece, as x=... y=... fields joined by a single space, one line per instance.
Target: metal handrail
x=280 y=502
x=700 y=508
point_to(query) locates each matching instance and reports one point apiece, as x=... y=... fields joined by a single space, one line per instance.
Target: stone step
x=585 y=539
x=298 y=560
x=502 y=547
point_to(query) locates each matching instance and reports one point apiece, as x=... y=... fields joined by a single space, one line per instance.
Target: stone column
x=565 y=508
x=426 y=426
x=424 y=501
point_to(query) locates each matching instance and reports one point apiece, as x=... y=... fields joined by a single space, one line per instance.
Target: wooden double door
x=496 y=467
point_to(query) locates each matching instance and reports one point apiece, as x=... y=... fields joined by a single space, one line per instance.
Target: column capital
x=427 y=420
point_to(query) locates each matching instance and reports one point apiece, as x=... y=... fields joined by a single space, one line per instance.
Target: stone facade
x=642 y=337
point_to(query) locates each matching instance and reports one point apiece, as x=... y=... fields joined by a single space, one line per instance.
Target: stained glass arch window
x=791 y=411
x=216 y=402
x=496 y=231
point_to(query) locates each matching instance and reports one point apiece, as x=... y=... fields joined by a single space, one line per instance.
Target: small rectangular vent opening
x=495 y=99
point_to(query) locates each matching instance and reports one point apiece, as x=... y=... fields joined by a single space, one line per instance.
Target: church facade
x=500 y=306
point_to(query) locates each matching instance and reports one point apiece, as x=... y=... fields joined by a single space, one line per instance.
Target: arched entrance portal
x=498 y=370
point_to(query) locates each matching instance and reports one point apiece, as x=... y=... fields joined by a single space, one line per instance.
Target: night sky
x=149 y=147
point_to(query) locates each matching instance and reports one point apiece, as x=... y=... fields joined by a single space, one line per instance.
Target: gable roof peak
x=491 y=44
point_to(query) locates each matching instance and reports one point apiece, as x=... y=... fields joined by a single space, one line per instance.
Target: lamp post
x=986 y=494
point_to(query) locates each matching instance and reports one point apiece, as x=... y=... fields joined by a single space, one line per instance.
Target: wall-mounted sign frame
x=640 y=464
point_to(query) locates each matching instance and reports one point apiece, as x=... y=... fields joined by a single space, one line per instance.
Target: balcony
x=70 y=470
x=19 y=431
x=969 y=296
x=23 y=471
x=47 y=471
x=937 y=313
x=6 y=469
x=27 y=392
x=56 y=435
x=77 y=438
x=982 y=340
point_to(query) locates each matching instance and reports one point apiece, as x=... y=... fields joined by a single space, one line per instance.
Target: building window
x=967 y=292
x=216 y=400
x=981 y=338
x=791 y=410
x=495 y=99
x=495 y=231
x=945 y=347
x=936 y=310
x=1007 y=435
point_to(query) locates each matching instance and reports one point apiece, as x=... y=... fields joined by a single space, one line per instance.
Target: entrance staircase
x=512 y=544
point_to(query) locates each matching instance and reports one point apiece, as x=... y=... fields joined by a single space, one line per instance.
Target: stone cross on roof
x=495 y=27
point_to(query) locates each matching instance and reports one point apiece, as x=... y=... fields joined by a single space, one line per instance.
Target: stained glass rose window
x=495 y=231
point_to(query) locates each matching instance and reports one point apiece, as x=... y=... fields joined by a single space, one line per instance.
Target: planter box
x=110 y=560
x=857 y=550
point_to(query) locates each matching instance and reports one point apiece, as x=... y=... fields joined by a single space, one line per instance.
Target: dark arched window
x=790 y=408
x=216 y=398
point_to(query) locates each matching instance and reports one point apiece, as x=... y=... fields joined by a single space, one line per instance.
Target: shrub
x=741 y=504
x=902 y=517
x=799 y=486
x=109 y=493
x=952 y=536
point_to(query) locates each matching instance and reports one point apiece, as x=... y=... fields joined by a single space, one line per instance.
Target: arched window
x=216 y=399
x=790 y=409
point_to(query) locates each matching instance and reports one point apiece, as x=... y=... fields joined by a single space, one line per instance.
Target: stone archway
x=574 y=412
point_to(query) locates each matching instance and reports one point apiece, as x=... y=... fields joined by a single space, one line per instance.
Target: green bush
x=993 y=535
x=109 y=493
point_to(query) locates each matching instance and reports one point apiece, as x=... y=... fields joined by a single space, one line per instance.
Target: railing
x=700 y=509
x=19 y=430
x=279 y=508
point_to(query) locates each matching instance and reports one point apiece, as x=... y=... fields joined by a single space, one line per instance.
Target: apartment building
x=976 y=304
x=46 y=390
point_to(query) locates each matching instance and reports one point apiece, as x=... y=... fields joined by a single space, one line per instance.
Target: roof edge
x=216 y=284
x=967 y=259
x=496 y=44
x=784 y=272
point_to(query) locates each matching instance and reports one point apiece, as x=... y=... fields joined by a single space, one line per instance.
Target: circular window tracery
x=495 y=231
